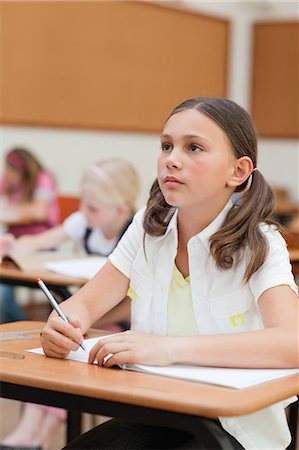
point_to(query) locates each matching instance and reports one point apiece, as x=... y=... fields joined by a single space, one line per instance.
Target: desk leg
x=73 y=425
x=62 y=292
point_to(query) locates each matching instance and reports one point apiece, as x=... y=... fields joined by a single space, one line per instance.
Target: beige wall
x=279 y=158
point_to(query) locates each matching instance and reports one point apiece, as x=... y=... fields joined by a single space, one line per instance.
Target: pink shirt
x=45 y=189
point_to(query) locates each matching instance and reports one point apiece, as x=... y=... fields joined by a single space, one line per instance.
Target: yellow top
x=181 y=319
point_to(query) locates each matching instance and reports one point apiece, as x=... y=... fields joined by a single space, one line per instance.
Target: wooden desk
x=12 y=275
x=119 y=393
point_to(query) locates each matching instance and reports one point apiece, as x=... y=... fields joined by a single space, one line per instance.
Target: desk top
x=199 y=399
x=10 y=271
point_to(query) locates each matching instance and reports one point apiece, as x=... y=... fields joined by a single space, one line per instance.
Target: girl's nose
x=174 y=160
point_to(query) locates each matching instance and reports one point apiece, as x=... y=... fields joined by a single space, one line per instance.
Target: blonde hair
x=113 y=181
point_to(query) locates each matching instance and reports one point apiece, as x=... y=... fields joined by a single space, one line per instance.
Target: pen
x=54 y=303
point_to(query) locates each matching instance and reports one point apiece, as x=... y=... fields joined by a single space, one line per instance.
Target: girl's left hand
x=133 y=347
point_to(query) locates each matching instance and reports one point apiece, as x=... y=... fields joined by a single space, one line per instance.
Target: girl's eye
x=195 y=148
x=165 y=147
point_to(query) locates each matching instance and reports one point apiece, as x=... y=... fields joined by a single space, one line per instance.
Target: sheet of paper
x=234 y=378
x=80 y=354
x=85 y=267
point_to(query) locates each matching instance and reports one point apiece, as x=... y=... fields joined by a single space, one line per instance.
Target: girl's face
x=98 y=214
x=196 y=161
x=13 y=177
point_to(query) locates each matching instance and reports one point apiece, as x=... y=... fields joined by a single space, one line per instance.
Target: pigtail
x=241 y=227
x=158 y=213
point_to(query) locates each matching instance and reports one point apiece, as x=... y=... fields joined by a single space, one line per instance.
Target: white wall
x=67 y=152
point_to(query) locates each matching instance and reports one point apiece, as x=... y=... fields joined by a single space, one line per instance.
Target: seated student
x=109 y=193
x=211 y=279
x=29 y=193
x=29 y=199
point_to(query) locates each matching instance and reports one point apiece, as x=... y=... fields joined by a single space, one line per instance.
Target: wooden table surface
x=72 y=377
x=9 y=271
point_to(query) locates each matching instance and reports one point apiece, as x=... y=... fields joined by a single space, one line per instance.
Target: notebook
x=223 y=376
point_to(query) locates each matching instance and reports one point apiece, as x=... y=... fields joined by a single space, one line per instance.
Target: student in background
x=109 y=193
x=29 y=193
x=210 y=279
x=29 y=206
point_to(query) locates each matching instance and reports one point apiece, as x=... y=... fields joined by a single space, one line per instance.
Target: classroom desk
x=12 y=275
x=119 y=393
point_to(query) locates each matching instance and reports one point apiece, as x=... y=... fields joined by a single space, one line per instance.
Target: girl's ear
x=242 y=170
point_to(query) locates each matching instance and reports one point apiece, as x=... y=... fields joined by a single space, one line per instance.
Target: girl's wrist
x=177 y=350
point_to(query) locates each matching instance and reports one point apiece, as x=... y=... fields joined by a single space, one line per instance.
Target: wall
x=124 y=69
x=278 y=160
x=68 y=152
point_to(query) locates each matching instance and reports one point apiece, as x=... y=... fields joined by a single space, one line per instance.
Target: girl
x=29 y=206
x=109 y=193
x=29 y=194
x=210 y=280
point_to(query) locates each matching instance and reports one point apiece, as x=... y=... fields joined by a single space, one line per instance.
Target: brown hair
x=28 y=166
x=241 y=227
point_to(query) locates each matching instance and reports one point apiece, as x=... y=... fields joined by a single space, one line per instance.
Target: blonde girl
x=109 y=195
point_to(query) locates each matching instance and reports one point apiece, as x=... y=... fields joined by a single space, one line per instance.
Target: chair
x=67 y=205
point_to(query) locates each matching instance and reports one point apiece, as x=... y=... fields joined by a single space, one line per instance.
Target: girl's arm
x=120 y=313
x=276 y=346
x=34 y=211
x=103 y=292
x=42 y=241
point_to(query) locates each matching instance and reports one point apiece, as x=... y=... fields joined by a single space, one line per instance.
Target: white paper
x=85 y=267
x=234 y=378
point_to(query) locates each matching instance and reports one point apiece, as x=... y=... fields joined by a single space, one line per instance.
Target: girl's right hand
x=59 y=338
x=6 y=242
